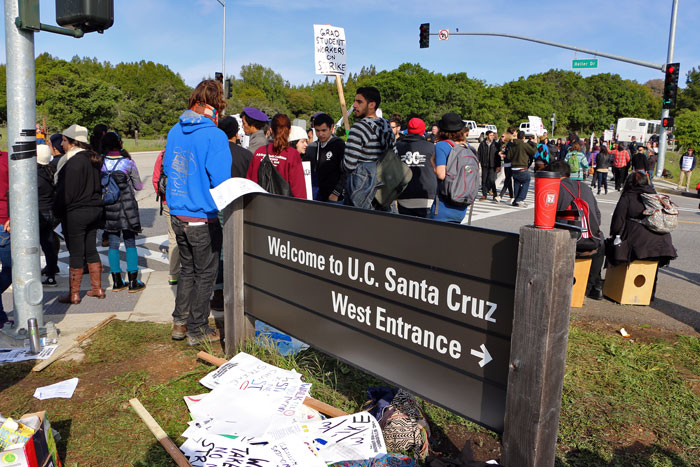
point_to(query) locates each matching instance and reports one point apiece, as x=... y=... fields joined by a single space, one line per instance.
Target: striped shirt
x=368 y=140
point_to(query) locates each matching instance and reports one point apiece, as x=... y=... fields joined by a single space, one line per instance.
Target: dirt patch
x=451 y=439
x=638 y=333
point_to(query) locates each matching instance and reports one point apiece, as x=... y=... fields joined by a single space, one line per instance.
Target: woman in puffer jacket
x=122 y=217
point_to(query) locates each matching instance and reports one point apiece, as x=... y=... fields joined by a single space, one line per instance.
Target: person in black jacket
x=122 y=217
x=240 y=157
x=602 y=166
x=79 y=205
x=47 y=192
x=415 y=151
x=490 y=164
x=326 y=156
x=639 y=161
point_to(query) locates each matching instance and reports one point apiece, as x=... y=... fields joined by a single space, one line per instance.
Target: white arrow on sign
x=444 y=34
x=484 y=355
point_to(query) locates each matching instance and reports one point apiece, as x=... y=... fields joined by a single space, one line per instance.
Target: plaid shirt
x=622 y=158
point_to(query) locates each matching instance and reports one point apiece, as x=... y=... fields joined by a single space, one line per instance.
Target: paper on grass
x=218 y=451
x=228 y=191
x=241 y=369
x=21 y=354
x=64 y=389
x=348 y=438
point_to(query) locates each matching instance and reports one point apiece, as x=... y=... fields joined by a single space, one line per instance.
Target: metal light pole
x=21 y=141
x=663 y=139
x=223 y=45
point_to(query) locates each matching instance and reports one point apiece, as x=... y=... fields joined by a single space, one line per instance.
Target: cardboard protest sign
x=352 y=437
x=330 y=54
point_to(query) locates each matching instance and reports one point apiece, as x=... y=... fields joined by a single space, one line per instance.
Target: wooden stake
x=160 y=435
x=79 y=340
x=309 y=401
x=343 y=108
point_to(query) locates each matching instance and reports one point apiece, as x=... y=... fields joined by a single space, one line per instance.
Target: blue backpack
x=110 y=189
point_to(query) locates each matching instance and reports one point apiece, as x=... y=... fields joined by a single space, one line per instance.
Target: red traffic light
x=667 y=122
x=671 y=69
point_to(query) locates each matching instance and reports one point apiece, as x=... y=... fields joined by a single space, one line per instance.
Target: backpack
x=270 y=179
x=588 y=240
x=661 y=214
x=393 y=176
x=110 y=189
x=162 y=184
x=574 y=163
x=462 y=181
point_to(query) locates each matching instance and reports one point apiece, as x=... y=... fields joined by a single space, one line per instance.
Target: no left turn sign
x=444 y=34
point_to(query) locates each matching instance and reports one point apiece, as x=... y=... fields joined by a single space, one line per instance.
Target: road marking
x=690 y=222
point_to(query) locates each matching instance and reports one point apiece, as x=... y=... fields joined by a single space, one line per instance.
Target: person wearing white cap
x=80 y=207
x=45 y=185
x=298 y=139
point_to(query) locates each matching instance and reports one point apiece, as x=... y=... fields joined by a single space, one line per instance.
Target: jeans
x=508 y=182
x=521 y=183
x=46 y=240
x=602 y=180
x=362 y=185
x=200 y=247
x=132 y=258
x=6 y=272
x=80 y=229
x=173 y=253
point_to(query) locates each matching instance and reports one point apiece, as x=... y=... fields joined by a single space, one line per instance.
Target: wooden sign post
x=478 y=326
x=343 y=107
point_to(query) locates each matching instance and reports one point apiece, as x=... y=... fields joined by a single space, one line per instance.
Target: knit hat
x=43 y=154
x=416 y=126
x=76 y=133
x=297 y=133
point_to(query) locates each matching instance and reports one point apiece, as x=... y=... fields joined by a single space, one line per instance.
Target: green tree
x=689 y=98
x=687 y=128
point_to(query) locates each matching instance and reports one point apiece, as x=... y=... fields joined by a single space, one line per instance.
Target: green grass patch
x=624 y=402
x=672 y=164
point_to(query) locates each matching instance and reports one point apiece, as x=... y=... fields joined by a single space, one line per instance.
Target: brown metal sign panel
x=425 y=305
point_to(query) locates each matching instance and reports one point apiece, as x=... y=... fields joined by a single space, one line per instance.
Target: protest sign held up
x=330 y=58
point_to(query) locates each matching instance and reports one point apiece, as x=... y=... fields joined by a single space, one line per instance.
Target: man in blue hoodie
x=197 y=158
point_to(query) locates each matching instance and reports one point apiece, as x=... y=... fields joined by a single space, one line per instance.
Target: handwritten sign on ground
x=330 y=54
x=425 y=305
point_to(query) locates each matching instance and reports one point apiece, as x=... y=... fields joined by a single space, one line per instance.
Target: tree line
x=148 y=97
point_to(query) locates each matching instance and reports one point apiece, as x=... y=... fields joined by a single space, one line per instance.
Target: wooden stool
x=631 y=284
x=581 y=269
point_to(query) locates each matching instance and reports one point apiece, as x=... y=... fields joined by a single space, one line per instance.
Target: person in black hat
x=451 y=132
x=254 y=121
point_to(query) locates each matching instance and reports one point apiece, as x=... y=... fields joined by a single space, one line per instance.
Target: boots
x=117 y=282
x=73 y=296
x=96 y=280
x=135 y=285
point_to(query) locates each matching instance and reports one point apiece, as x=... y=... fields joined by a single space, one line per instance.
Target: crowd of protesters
x=205 y=148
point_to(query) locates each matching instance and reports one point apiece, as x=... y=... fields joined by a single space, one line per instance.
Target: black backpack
x=270 y=179
x=162 y=184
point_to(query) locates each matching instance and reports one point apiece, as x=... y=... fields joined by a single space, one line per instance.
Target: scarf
x=206 y=110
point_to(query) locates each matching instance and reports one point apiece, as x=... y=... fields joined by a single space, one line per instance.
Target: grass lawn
x=625 y=402
x=673 y=165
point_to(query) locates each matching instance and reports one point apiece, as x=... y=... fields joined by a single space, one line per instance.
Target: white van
x=533 y=126
x=640 y=128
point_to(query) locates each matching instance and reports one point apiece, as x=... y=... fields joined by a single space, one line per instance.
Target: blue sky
x=186 y=35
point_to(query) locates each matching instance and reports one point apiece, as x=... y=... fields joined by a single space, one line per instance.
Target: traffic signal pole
x=24 y=211
x=663 y=138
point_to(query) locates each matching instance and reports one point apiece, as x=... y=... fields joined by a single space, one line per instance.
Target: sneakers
x=179 y=332
x=523 y=204
x=49 y=282
x=496 y=199
x=514 y=204
x=211 y=335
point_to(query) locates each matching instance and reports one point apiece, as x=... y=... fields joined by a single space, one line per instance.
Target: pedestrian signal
x=667 y=122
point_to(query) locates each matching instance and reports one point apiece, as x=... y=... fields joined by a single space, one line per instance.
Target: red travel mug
x=546 y=198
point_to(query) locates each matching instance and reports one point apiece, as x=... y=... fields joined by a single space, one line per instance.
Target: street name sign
x=589 y=63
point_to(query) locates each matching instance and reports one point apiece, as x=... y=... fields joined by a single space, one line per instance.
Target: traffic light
x=667 y=122
x=229 y=90
x=86 y=15
x=671 y=86
x=425 y=35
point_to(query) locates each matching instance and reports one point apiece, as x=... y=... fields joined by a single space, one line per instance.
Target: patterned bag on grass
x=402 y=421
